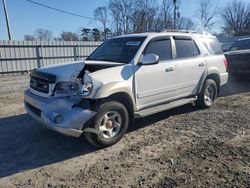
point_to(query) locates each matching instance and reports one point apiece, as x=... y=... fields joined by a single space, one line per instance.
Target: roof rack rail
x=186 y=31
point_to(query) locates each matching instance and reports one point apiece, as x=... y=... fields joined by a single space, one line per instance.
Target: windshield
x=241 y=45
x=120 y=50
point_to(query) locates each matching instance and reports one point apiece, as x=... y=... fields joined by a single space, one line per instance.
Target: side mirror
x=149 y=59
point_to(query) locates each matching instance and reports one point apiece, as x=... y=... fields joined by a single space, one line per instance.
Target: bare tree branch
x=206 y=14
x=236 y=18
x=43 y=34
x=101 y=14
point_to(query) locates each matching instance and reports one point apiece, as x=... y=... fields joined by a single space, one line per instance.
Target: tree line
x=86 y=34
x=135 y=16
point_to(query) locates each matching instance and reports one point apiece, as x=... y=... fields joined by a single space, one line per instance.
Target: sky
x=26 y=17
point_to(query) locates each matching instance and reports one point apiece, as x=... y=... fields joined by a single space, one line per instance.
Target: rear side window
x=162 y=48
x=241 y=45
x=186 y=48
x=213 y=46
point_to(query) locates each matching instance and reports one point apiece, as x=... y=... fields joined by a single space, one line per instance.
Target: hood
x=70 y=70
x=65 y=71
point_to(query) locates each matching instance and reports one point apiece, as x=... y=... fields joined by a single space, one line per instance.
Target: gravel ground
x=183 y=147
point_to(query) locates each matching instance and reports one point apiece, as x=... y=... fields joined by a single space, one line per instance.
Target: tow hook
x=92 y=130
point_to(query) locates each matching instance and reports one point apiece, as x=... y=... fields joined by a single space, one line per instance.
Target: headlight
x=67 y=88
x=86 y=88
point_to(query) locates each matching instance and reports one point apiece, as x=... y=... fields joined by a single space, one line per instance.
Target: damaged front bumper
x=58 y=114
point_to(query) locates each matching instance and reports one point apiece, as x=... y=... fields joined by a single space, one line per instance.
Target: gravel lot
x=183 y=147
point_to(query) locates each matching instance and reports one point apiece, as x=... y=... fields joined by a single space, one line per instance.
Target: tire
x=110 y=114
x=208 y=94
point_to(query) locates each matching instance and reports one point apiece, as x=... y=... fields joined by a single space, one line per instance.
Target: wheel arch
x=123 y=98
x=120 y=92
x=114 y=90
x=214 y=76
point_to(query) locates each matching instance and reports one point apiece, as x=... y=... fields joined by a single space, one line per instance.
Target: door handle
x=169 y=69
x=201 y=64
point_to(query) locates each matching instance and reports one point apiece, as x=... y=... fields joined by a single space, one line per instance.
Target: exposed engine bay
x=93 y=67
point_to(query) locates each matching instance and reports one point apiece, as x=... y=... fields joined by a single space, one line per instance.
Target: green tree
x=85 y=34
x=96 y=34
x=106 y=33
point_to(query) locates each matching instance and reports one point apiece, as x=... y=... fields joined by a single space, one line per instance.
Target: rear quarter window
x=213 y=46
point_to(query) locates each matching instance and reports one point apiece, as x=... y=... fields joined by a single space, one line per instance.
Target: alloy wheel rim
x=110 y=124
x=209 y=95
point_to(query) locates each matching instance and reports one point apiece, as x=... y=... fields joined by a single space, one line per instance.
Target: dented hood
x=65 y=71
x=69 y=71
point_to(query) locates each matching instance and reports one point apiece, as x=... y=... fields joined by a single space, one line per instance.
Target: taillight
x=225 y=62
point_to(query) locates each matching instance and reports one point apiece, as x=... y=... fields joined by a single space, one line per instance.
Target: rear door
x=189 y=66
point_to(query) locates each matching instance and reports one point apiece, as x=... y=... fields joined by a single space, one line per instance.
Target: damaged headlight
x=66 y=88
x=82 y=87
x=86 y=89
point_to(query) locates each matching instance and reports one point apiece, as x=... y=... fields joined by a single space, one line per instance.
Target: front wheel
x=111 y=120
x=208 y=94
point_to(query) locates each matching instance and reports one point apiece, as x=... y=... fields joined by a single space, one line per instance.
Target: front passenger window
x=162 y=48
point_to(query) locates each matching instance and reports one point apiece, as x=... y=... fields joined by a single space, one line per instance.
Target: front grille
x=34 y=109
x=40 y=81
x=39 y=85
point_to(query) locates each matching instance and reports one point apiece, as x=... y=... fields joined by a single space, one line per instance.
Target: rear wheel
x=111 y=120
x=208 y=94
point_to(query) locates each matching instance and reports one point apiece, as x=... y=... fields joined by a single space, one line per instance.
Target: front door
x=156 y=83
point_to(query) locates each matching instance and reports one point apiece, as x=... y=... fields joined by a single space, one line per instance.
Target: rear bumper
x=47 y=110
x=223 y=79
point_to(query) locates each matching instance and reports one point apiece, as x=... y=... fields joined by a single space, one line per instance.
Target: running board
x=163 y=107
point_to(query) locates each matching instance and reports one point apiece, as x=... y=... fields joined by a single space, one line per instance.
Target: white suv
x=127 y=77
